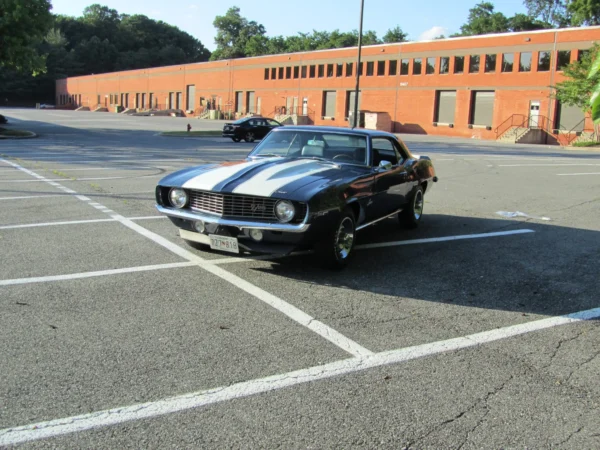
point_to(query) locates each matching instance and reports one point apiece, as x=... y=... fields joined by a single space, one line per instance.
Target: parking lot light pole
x=355 y=113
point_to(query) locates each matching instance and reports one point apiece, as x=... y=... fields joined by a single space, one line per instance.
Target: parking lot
x=479 y=329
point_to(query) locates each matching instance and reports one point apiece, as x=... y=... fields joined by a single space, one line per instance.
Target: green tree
x=551 y=12
x=23 y=25
x=523 y=22
x=395 y=35
x=233 y=34
x=584 y=12
x=484 y=20
x=581 y=81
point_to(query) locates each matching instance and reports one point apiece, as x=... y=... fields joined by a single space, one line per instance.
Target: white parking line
x=572 y=174
x=31 y=196
x=73 y=424
x=75 y=222
x=289 y=310
x=444 y=239
x=98 y=273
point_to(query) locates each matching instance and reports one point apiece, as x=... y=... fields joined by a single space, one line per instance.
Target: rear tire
x=412 y=214
x=249 y=137
x=335 y=250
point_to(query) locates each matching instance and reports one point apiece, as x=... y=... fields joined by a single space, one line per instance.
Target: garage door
x=446 y=106
x=570 y=118
x=483 y=108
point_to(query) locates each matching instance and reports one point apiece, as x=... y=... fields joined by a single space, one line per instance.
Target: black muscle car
x=302 y=187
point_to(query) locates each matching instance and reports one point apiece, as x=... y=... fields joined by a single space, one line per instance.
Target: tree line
x=38 y=47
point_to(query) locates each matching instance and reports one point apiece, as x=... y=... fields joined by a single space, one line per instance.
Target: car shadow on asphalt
x=552 y=271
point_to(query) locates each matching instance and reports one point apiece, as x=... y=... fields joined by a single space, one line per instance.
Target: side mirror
x=384 y=165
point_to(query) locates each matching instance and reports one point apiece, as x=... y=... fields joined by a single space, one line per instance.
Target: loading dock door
x=191 y=97
x=483 y=108
x=446 y=106
x=570 y=118
x=250 y=101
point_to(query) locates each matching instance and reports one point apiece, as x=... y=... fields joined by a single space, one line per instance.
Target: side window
x=385 y=150
x=272 y=123
x=252 y=123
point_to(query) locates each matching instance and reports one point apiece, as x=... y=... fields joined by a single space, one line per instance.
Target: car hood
x=265 y=177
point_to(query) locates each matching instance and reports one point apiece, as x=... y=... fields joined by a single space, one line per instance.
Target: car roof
x=345 y=130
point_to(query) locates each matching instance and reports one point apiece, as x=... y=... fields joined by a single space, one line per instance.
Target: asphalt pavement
x=479 y=329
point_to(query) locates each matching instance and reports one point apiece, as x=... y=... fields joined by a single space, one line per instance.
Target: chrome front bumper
x=208 y=218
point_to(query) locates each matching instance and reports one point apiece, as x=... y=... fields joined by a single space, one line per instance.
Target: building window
x=288 y=73
x=360 y=69
x=459 y=64
x=474 y=64
x=339 y=70
x=370 y=68
x=348 y=69
x=444 y=64
x=329 y=70
x=296 y=72
x=404 y=66
x=543 y=61
x=99 y=101
x=581 y=54
x=563 y=59
x=508 y=60
x=380 y=68
x=273 y=73
x=393 y=67
x=266 y=74
x=490 y=63
x=329 y=100
x=321 y=70
x=312 y=71
x=525 y=62
x=303 y=71
x=430 y=67
x=417 y=63
x=280 y=73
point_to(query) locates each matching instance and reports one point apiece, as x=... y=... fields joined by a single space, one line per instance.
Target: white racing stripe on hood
x=268 y=181
x=209 y=179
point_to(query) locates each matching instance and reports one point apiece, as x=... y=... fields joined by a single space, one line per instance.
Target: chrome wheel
x=418 y=205
x=249 y=136
x=344 y=238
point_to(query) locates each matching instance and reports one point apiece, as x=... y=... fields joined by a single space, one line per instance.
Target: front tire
x=336 y=249
x=235 y=139
x=412 y=214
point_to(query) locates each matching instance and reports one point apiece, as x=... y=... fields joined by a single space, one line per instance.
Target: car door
x=261 y=128
x=392 y=183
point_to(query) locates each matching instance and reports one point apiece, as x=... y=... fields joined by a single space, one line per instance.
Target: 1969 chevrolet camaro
x=301 y=187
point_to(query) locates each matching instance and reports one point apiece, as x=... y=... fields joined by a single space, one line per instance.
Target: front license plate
x=224 y=243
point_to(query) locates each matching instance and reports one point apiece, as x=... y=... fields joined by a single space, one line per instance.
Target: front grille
x=240 y=206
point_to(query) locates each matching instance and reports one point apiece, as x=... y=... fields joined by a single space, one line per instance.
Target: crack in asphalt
x=480 y=401
x=570 y=436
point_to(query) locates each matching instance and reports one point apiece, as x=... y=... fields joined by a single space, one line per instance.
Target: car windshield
x=332 y=146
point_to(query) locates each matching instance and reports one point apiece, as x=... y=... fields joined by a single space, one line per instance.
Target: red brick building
x=482 y=87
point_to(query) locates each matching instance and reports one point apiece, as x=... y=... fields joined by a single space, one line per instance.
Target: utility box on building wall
x=378 y=121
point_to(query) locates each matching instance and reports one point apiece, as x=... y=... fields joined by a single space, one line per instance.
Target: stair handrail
x=509 y=123
x=572 y=136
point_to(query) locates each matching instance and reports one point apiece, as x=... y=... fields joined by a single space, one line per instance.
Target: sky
x=421 y=20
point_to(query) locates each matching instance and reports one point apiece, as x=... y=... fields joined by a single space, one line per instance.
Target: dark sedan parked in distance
x=299 y=188
x=249 y=128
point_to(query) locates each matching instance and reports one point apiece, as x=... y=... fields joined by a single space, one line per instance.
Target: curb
x=191 y=136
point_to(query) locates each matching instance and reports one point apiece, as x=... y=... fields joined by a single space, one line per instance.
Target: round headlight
x=178 y=198
x=284 y=210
